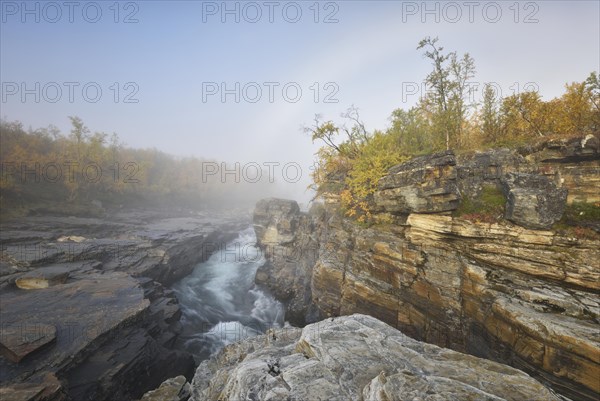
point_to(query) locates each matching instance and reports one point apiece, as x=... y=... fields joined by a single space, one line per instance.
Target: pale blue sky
x=367 y=55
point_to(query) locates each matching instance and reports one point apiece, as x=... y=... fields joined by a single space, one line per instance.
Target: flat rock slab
x=71 y=238
x=18 y=342
x=43 y=277
x=84 y=313
x=48 y=388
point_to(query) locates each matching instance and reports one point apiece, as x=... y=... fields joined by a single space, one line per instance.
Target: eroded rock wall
x=521 y=296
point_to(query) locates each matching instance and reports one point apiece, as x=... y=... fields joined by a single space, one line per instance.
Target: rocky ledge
x=514 y=289
x=355 y=357
x=85 y=310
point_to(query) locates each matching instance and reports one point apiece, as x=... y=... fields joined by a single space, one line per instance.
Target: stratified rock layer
x=355 y=358
x=522 y=296
x=426 y=184
x=287 y=240
x=174 y=389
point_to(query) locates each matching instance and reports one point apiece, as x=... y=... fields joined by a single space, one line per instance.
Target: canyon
x=440 y=298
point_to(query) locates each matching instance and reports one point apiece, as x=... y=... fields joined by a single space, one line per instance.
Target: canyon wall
x=518 y=289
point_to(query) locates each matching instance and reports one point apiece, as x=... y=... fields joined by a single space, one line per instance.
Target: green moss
x=488 y=206
x=580 y=220
x=492 y=198
x=580 y=212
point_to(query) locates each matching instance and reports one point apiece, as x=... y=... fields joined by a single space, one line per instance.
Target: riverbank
x=86 y=308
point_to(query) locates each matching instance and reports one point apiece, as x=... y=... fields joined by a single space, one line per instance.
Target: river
x=220 y=302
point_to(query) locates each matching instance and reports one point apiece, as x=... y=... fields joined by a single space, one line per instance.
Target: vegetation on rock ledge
x=352 y=160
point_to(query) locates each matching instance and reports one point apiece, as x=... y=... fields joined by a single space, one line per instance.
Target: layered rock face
x=522 y=296
x=355 y=358
x=425 y=184
x=84 y=310
x=288 y=240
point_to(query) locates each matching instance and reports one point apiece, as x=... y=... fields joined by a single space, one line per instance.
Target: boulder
x=533 y=201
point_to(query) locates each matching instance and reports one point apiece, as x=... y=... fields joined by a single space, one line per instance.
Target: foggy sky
x=167 y=59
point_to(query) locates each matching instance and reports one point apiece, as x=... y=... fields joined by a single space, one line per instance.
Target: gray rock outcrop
x=533 y=201
x=518 y=292
x=355 y=358
x=289 y=253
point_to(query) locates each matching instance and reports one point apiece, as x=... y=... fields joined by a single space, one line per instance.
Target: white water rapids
x=220 y=302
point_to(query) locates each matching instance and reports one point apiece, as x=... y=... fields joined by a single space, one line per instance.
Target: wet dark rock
x=47 y=388
x=103 y=290
x=18 y=342
x=290 y=257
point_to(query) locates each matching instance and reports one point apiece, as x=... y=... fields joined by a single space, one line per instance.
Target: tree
x=461 y=71
x=438 y=80
x=79 y=132
x=490 y=119
x=449 y=96
x=592 y=88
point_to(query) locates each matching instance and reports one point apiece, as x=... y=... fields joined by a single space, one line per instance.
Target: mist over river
x=220 y=302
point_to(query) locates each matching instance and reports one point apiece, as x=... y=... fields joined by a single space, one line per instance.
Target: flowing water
x=220 y=302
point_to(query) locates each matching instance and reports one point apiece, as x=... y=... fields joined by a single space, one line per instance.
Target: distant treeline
x=447 y=116
x=45 y=168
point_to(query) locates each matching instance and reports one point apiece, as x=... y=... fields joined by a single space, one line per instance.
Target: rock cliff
x=514 y=289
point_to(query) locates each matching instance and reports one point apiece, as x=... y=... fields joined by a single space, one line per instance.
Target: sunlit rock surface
x=43 y=277
x=522 y=296
x=355 y=358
